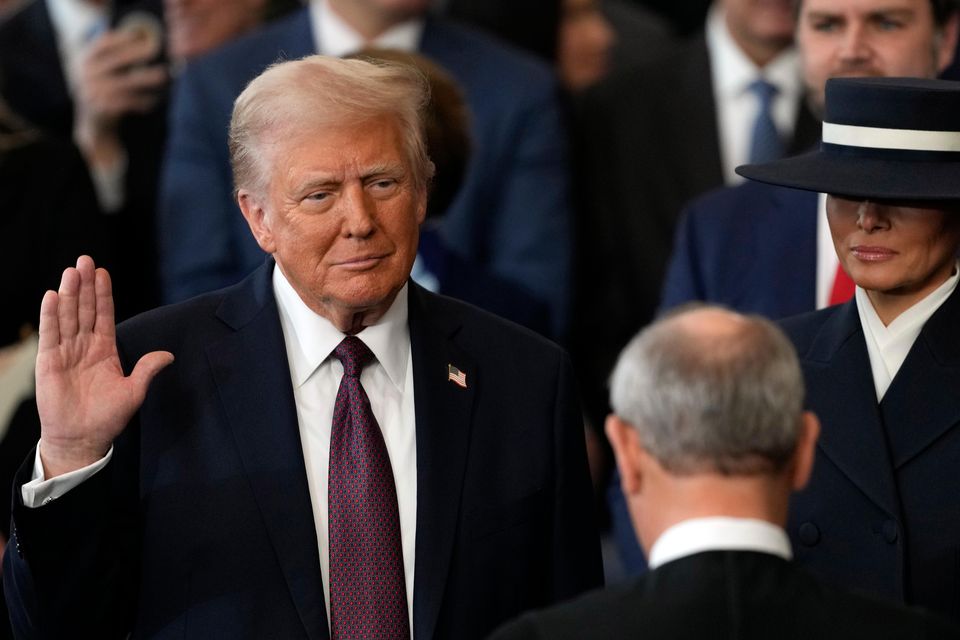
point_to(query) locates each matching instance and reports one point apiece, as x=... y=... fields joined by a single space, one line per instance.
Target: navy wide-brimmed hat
x=884 y=138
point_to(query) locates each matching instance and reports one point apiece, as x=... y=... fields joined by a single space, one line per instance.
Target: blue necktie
x=765 y=142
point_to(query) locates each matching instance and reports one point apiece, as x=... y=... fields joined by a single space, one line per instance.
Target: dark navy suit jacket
x=882 y=510
x=34 y=85
x=752 y=248
x=511 y=215
x=649 y=144
x=722 y=595
x=201 y=525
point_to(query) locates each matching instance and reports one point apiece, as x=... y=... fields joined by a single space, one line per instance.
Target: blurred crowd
x=569 y=135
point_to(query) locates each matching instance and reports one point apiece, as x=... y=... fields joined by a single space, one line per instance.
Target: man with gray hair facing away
x=710 y=438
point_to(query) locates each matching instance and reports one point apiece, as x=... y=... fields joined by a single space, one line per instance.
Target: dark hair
x=942 y=10
x=278 y=8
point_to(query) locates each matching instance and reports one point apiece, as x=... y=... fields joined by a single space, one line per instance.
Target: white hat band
x=903 y=139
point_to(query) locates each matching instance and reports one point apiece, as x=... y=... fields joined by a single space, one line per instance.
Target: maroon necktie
x=368 y=596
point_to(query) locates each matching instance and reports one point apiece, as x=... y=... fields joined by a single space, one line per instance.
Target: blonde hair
x=320 y=91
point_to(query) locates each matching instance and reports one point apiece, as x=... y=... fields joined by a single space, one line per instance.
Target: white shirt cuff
x=39 y=491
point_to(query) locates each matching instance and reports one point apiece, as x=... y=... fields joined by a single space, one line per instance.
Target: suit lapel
x=777 y=277
x=443 y=415
x=796 y=213
x=698 y=138
x=806 y=130
x=253 y=377
x=840 y=387
x=297 y=40
x=36 y=59
x=923 y=401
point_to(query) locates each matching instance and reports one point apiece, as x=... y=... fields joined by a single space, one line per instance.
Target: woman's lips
x=872 y=254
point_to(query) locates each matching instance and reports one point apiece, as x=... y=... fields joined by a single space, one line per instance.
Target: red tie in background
x=368 y=597
x=843 y=287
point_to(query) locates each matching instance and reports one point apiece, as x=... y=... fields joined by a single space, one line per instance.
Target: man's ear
x=805 y=453
x=255 y=213
x=946 y=42
x=422 y=205
x=628 y=452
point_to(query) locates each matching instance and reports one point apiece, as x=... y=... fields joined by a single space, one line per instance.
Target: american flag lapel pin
x=456 y=376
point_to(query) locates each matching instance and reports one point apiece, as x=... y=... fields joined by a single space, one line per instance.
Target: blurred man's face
x=760 y=25
x=583 y=44
x=341 y=216
x=850 y=38
x=197 y=26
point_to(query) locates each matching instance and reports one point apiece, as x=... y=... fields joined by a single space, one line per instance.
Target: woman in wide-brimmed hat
x=882 y=511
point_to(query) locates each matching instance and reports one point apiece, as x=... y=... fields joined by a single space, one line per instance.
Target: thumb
x=147 y=367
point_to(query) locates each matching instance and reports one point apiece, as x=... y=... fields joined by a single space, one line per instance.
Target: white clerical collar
x=888 y=346
x=733 y=71
x=719 y=534
x=334 y=37
x=313 y=337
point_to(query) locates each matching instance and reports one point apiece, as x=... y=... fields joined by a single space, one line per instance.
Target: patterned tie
x=368 y=597
x=843 y=287
x=765 y=142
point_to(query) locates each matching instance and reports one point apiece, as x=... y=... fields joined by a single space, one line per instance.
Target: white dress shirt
x=719 y=534
x=334 y=37
x=889 y=345
x=732 y=72
x=76 y=24
x=315 y=373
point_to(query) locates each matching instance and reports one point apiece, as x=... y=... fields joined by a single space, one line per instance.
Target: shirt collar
x=334 y=37
x=888 y=346
x=913 y=318
x=719 y=534
x=74 y=21
x=733 y=71
x=312 y=338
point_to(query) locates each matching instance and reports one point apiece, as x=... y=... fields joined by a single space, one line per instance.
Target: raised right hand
x=83 y=398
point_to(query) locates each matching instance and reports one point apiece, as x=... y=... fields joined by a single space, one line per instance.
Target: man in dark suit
x=48 y=205
x=652 y=139
x=530 y=25
x=710 y=438
x=76 y=79
x=755 y=247
x=335 y=451
x=764 y=249
x=511 y=216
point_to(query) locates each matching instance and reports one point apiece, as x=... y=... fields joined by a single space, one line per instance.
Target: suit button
x=809 y=534
x=890 y=533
